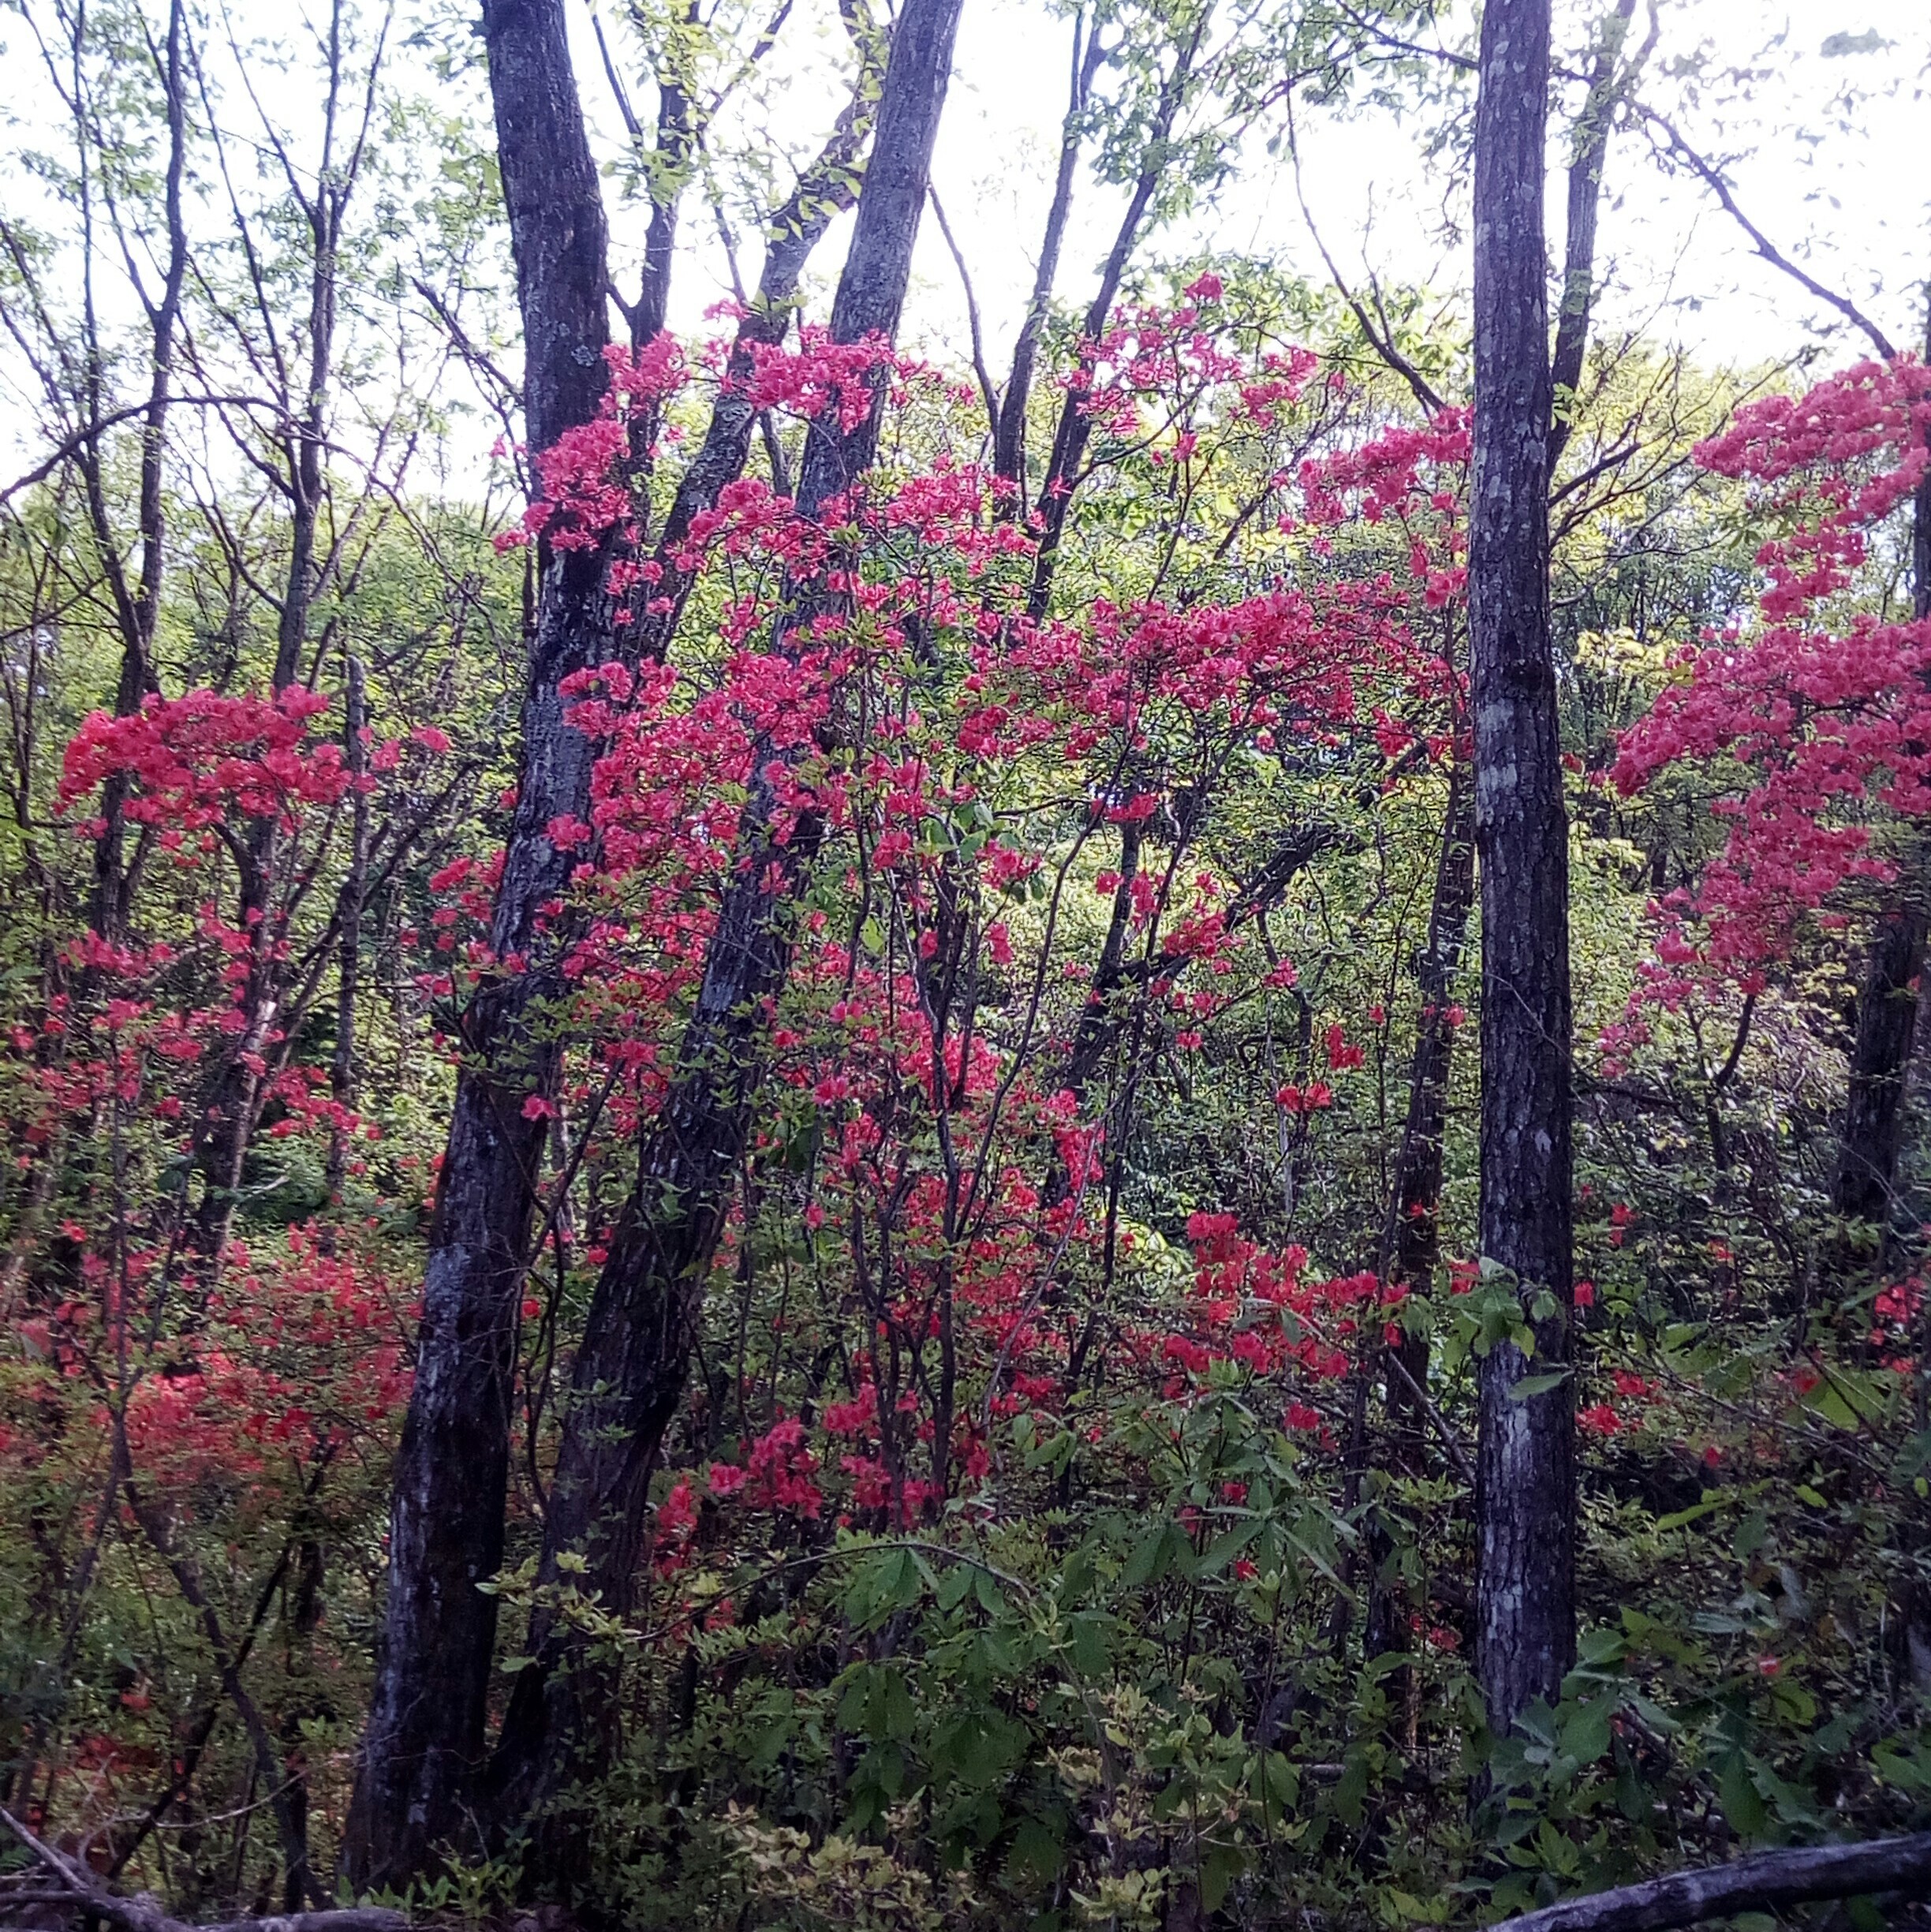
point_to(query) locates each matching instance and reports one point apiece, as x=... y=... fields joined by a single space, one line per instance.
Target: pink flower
x=724 y=1479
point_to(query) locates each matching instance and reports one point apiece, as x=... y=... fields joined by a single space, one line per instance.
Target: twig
x=987 y=394
x=1381 y=340
x=1457 y=1453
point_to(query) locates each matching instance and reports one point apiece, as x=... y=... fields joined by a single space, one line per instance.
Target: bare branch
x=987 y=393
x=1754 y=1884
x=1381 y=340
x=1711 y=177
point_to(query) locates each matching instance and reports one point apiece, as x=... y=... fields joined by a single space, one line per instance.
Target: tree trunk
x=1525 y=1505
x=343 y=1072
x=1867 y=1150
x=1009 y=453
x=823 y=192
x=1418 y=1175
x=1585 y=172
x=1763 y=1882
x=140 y=615
x=1419 y=1165
x=630 y=1370
x=426 y=1728
x=1075 y=426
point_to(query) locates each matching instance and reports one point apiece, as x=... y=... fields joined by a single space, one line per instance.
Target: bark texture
x=630 y=1370
x=1525 y=1573
x=1867 y=1152
x=426 y=1731
x=1760 y=1883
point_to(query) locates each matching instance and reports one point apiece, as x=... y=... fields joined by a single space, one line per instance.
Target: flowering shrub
x=1043 y=1508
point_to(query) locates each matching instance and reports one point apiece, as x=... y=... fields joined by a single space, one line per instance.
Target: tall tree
x=641 y=1325
x=1419 y=1166
x=428 y=1715
x=1867 y=1149
x=1526 y=1562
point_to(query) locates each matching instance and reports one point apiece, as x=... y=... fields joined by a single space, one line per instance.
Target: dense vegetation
x=959 y=1361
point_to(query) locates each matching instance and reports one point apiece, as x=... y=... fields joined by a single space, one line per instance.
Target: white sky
x=1845 y=187
x=1846 y=190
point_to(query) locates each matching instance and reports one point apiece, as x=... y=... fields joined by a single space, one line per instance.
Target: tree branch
x=1753 y=1884
x=142 y=1915
x=1712 y=179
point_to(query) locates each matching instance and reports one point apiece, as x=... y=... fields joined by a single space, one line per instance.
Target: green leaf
x=1148 y=1561
x=1585 y=1732
x=1224 y=1549
x=893 y=1706
x=1827 y=1400
x=1743 y=1806
x=1219 y=1869
x=1088 y=1632
x=1538 y=1385
x=1036 y=1854
x=1676 y=1518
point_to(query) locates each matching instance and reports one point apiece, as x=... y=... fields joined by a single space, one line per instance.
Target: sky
x=1828 y=151
x=1817 y=109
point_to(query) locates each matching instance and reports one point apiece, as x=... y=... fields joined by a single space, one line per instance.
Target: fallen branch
x=78 y=1887
x=1753 y=1884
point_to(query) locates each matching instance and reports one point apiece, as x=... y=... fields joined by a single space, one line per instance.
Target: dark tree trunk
x=1867 y=1153
x=1525 y=1505
x=1762 y=1881
x=139 y=614
x=307 y=436
x=426 y=1729
x=1418 y=1173
x=1586 y=173
x=630 y=1370
x=1419 y=1166
x=1415 y=1204
x=343 y=1072
x=825 y=191
x=678 y=131
x=235 y=1110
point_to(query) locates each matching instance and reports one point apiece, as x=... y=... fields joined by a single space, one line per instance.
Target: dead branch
x=79 y=1886
x=1758 y=1883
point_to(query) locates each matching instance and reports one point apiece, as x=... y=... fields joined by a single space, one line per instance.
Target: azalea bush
x=1042 y=1530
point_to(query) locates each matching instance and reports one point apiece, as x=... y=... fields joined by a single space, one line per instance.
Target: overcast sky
x=1847 y=192
x=1827 y=143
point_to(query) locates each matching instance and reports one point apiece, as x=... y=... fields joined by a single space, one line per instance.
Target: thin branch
x=1457 y=1455
x=1382 y=342
x=1712 y=179
x=142 y=1915
x=987 y=393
